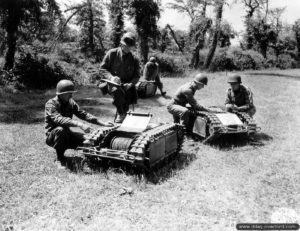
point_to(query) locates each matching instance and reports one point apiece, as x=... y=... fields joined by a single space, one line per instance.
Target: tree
x=89 y=18
x=296 y=29
x=164 y=40
x=198 y=30
x=215 y=38
x=190 y=7
x=226 y=33
x=174 y=37
x=14 y=13
x=145 y=14
x=116 y=17
x=251 y=7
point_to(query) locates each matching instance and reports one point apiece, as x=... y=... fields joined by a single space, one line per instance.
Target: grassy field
x=207 y=187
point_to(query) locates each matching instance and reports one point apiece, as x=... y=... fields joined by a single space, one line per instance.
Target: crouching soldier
x=151 y=73
x=185 y=95
x=239 y=97
x=58 y=118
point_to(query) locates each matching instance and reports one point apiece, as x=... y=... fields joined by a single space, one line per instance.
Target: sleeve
x=81 y=114
x=136 y=73
x=246 y=106
x=146 y=72
x=105 y=66
x=55 y=116
x=192 y=101
x=228 y=98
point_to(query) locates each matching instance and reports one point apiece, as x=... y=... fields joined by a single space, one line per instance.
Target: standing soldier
x=185 y=95
x=58 y=118
x=239 y=97
x=151 y=72
x=120 y=62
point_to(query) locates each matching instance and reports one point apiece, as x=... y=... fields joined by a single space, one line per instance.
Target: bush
x=285 y=61
x=38 y=72
x=172 y=63
x=236 y=59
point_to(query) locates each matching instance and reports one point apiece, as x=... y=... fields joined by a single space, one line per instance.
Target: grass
x=207 y=187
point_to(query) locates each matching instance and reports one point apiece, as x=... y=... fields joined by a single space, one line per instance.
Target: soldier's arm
x=105 y=66
x=193 y=102
x=246 y=106
x=55 y=116
x=228 y=102
x=136 y=73
x=81 y=114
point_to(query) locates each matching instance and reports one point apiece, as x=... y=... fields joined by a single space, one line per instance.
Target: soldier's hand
x=86 y=128
x=108 y=124
x=127 y=86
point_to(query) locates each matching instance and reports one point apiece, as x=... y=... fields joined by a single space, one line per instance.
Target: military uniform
x=58 y=119
x=126 y=66
x=241 y=98
x=151 y=74
x=177 y=106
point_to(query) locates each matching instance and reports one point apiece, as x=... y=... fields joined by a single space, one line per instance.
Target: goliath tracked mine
x=146 y=89
x=135 y=141
x=212 y=125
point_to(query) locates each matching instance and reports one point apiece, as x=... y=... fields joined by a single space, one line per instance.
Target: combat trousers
x=182 y=113
x=158 y=83
x=61 y=139
x=122 y=99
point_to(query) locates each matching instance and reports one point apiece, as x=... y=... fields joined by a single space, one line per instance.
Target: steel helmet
x=234 y=79
x=201 y=79
x=152 y=59
x=128 y=39
x=65 y=86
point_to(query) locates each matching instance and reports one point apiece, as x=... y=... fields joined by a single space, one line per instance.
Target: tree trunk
x=174 y=37
x=91 y=26
x=214 y=43
x=144 y=48
x=298 y=44
x=200 y=44
x=11 y=30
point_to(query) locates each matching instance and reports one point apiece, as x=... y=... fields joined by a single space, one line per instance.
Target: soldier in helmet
x=151 y=73
x=120 y=62
x=58 y=118
x=185 y=95
x=239 y=97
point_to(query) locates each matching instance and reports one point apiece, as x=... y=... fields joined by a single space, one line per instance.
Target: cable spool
x=120 y=143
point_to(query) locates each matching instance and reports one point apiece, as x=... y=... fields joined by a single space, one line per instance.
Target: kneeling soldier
x=58 y=118
x=185 y=95
x=239 y=97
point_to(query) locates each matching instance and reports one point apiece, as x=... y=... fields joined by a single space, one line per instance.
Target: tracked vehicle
x=136 y=141
x=146 y=89
x=212 y=125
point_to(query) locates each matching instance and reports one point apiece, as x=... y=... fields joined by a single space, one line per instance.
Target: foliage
x=163 y=40
x=172 y=63
x=237 y=59
x=116 y=17
x=21 y=12
x=90 y=20
x=145 y=14
x=226 y=34
x=296 y=29
x=38 y=72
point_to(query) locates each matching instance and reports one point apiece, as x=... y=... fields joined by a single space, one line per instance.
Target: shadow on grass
x=161 y=172
x=232 y=141
x=23 y=115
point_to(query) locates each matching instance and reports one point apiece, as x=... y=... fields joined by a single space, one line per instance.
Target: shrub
x=37 y=72
x=285 y=61
x=236 y=59
x=172 y=63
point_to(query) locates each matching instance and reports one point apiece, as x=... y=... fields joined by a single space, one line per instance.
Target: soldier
x=120 y=62
x=239 y=97
x=151 y=71
x=58 y=118
x=185 y=94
